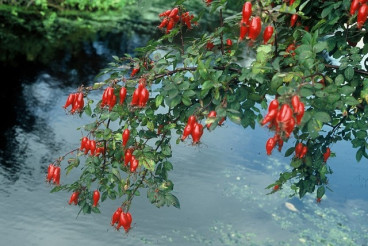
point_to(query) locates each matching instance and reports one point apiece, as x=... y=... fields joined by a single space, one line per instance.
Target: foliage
x=71 y=4
x=38 y=34
x=193 y=76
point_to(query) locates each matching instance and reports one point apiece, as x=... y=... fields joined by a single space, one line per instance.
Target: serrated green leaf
x=305 y=92
x=322 y=116
x=349 y=100
x=172 y=200
x=339 y=80
x=114 y=116
x=349 y=73
x=149 y=164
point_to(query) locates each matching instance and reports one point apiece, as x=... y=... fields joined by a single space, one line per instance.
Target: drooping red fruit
x=134 y=163
x=270 y=116
x=191 y=120
x=143 y=97
x=197 y=132
x=135 y=98
x=163 y=23
x=362 y=15
x=123 y=92
x=295 y=101
x=92 y=146
x=274 y=104
x=50 y=172
x=298 y=149
x=289 y=127
x=244 y=28
x=96 y=198
x=69 y=100
x=125 y=136
x=83 y=143
x=87 y=146
x=327 y=154
x=284 y=114
x=303 y=152
x=354 y=6
x=270 y=144
x=74 y=198
x=128 y=156
x=255 y=28
x=300 y=114
x=56 y=175
x=125 y=221
x=280 y=143
x=293 y=20
x=116 y=216
x=246 y=11
x=187 y=131
x=267 y=34
x=229 y=42
x=134 y=71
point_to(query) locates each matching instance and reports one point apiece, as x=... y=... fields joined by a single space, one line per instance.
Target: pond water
x=220 y=183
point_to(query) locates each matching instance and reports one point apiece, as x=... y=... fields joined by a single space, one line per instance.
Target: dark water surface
x=220 y=183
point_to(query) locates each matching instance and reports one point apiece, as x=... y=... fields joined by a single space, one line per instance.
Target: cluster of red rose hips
x=140 y=95
x=362 y=8
x=194 y=129
x=283 y=120
x=252 y=27
x=121 y=219
x=76 y=100
x=171 y=17
x=300 y=150
x=128 y=155
x=89 y=145
x=53 y=173
x=109 y=97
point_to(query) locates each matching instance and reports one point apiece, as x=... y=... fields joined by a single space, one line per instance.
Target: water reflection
x=220 y=183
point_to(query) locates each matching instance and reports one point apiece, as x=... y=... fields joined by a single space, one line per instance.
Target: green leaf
x=320 y=46
x=172 y=200
x=320 y=191
x=166 y=150
x=158 y=100
x=296 y=163
x=207 y=85
x=114 y=116
x=289 y=152
x=359 y=153
x=88 y=110
x=322 y=116
x=349 y=73
x=347 y=90
x=149 y=164
x=349 y=100
x=96 y=210
x=175 y=101
x=339 y=80
x=304 y=92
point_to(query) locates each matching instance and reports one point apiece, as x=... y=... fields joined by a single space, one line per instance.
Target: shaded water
x=220 y=183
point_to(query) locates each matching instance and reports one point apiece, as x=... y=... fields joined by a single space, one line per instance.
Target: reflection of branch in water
x=362 y=180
